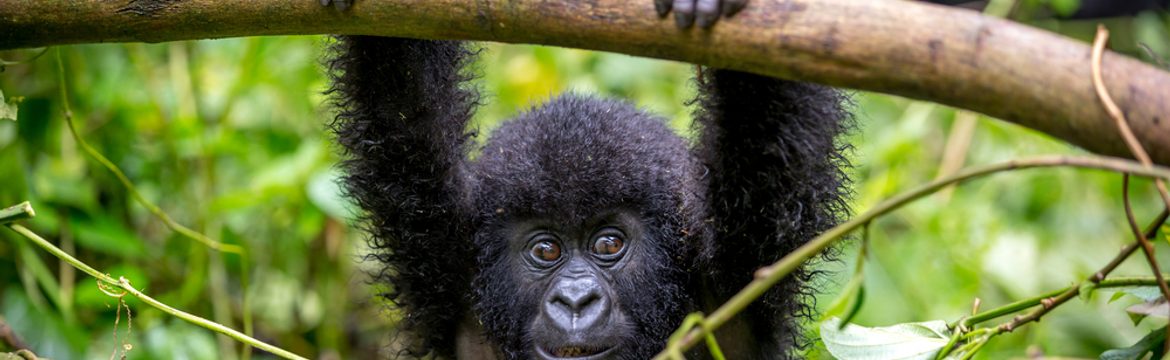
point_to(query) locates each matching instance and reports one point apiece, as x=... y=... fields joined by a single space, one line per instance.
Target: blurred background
x=228 y=138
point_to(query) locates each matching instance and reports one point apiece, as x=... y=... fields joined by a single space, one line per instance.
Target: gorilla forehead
x=577 y=155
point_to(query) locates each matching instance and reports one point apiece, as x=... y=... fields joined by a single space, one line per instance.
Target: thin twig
x=963 y=128
x=16 y=213
x=10 y=338
x=1098 y=277
x=126 y=286
x=1147 y=249
x=1142 y=238
x=955 y=152
x=768 y=276
x=1115 y=112
x=154 y=209
x=1053 y=298
x=1138 y=152
x=126 y=183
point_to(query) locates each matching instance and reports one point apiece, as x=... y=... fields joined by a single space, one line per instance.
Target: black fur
x=567 y=160
x=777 y=181
x=764 y=177
x=401 y=124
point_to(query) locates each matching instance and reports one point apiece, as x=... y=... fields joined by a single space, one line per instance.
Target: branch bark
x=946 y=55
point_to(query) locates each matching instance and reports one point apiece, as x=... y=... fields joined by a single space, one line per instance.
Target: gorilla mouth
x=575 y=351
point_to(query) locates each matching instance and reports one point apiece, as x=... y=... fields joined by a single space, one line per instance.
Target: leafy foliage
x=228 y=137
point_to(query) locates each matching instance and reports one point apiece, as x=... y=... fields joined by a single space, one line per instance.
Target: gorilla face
x=578 y=313
x=580 y=291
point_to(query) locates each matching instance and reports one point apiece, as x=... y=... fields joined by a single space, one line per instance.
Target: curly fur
x=401 y=124
x=764 y=177
x=777 y=181
x=565 y=160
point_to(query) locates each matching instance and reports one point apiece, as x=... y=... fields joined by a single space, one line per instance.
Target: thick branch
x=946 y=55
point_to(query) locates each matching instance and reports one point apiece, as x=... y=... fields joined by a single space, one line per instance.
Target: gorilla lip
x=573 y=352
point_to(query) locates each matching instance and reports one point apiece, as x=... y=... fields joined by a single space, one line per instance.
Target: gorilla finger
x=662 y=6
x=732 y=7
x=684 y=13
x=706 y=12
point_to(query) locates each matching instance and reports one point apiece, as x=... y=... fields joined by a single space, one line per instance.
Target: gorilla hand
x=703 y=12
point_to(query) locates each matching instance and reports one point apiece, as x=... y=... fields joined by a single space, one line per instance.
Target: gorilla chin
x=582 y=344
x=582 y=352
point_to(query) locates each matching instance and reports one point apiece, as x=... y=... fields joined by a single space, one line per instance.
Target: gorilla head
x=586 y=207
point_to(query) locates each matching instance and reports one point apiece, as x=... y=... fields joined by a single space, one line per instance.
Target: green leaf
x=1151 y=342
x=1152 y=302
x=107 y=235
x=8 y=108
x=1146 y=293
x=910 y=341
x=1065 y=7
x=1086 y=291
x=846 y=300
x=1139 y=312
x=848 y=304
x=1116 y=296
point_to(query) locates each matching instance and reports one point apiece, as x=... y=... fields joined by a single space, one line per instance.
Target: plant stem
x=154 y=209
x=1098 y=277
x=125 y=285
x=16 y=213
x=1038 y=300
x=768 y=276
x=1138 y=152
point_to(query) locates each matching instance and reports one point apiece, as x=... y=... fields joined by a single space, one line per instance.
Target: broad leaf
x=1146 y=293
x=849 y=302
x=1152 y=302
x=911 y=341
x=1139 y=312
x=1152 y=342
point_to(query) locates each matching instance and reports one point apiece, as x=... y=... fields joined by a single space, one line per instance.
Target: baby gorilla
x=584 y=228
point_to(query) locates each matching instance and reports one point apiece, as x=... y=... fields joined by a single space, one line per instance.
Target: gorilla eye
x=546 y=251
x=608 y=245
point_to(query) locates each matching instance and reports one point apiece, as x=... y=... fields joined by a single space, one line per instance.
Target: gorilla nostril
x=580 y=302
x=576 y=303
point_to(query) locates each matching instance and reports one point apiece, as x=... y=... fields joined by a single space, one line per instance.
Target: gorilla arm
x=402 y=117
x=775 y=182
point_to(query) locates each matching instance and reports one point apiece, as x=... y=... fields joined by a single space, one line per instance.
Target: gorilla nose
x=577 y=304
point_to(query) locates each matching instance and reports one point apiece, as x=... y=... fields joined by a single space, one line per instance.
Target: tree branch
x=946 y=55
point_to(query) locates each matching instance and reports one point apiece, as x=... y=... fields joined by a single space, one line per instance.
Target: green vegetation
x=228 y=138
